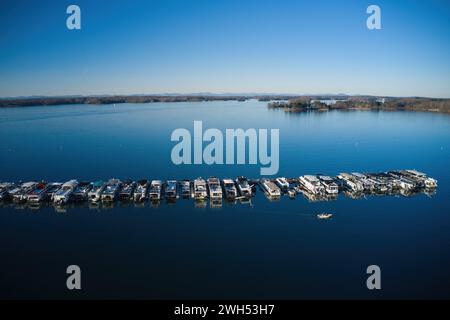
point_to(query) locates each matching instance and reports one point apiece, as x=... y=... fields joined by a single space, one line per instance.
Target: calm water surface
x=263 y=250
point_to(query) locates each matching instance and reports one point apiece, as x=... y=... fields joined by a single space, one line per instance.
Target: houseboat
x=140 y=192
x=200 y=192
x=171 y=189
x=229 y=189
x=52 y=189
x=215 y=191
x=185 y=187
x=95 y=194
x=270 y=189
x=37 y=194
x=421 y=178
x=244 y=188
x=367 y=184
x=329 y=185
x=350 y=183
x=311 y=184
x=5 y=187
x=111 y=191
x=126 y=193
x=155 y=190
x=82 y=191
x=19 y=193
x=63 y=195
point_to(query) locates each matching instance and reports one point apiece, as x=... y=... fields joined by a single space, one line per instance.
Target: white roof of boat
x=311 y=178
x=358 y=175
x=415 y=172
x=326 y=178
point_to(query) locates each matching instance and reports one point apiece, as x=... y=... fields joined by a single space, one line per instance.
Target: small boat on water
x=95 y=194
x=155 y=190
x=38 y=193
x=63 y=195
x=229 y=189
x=19 y=194
x=282 y=183
x=111 y=191
x=324 y=216
x=126 y=194
x=200 y=192
x=186 y=190
x=215 y=191
x=82 y=191
x=244 y=188
x=171 y=189
x=291 y=193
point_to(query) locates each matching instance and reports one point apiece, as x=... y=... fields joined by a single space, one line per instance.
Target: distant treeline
x=305 y=103
x=53 y=101
x=289 y=103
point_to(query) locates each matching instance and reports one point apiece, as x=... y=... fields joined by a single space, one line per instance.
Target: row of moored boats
x=214 y=188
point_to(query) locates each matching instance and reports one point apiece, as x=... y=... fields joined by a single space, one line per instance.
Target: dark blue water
x=263 y=250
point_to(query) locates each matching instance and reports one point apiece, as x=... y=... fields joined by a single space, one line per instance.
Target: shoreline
x=319 y=103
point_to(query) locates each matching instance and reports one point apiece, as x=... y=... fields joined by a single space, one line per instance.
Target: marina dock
x=317 y=187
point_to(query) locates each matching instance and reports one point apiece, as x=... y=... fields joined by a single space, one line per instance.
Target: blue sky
x=129 y=47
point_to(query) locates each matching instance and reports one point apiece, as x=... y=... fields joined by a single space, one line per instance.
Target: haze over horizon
x=260 y=47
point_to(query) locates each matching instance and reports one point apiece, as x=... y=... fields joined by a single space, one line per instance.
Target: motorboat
x=229 y=189
x=111 y=191
x=243 y=186
x=155 y=190
x=215 y=191
x=200 y=192
x=95 y=194
x=63 y=195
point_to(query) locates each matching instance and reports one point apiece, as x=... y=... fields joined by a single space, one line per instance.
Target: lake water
x=263 y=250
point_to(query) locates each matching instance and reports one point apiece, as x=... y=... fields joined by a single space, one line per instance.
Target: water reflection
x=213 y=204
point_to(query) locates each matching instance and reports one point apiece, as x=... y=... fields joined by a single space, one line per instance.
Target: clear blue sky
x=128 y=47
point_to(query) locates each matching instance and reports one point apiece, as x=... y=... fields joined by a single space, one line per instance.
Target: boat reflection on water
x=200 y=204
x=215 y=203
x=207 y=202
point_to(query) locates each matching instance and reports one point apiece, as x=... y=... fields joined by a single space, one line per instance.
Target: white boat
x=126 y=192
x=200 y=192
x=291 y=193
x=95 y=194
x=38 y=193
x=215 y=191
x=270 y=189
x=311 y=184
x=186 y=190
x=282 y=183
x=350 y=182
x=329 y=185
x=155 y=190
x=5 y=187
x=171 y=189
x=140 y=192
x=111 y=191
x=430 y=183
x=81 y=192
x=244 y=188
x=19 y=194
x=63 y=195
x=229 y=189
x=324 y=215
